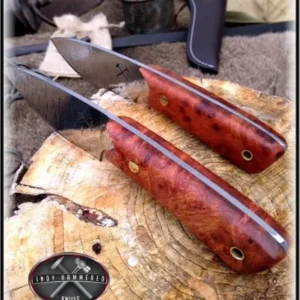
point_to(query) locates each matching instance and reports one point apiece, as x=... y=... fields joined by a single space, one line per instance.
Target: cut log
x=149 y=254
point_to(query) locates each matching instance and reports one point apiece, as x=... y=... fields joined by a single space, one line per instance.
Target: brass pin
x=133 y=167
x=247 y=155
x=237 y=253
x=163 y=100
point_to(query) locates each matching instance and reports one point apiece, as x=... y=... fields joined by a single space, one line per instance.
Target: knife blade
x=241 y=233
x=237 y=135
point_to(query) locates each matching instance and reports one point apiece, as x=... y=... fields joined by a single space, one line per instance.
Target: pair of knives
x=241 y=233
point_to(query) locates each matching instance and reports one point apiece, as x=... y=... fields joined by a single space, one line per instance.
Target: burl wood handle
x=235 y=134
x=234 y=237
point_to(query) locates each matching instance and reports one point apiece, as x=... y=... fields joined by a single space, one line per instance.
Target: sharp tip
x=11 y=65
x=13 y=73
x=59 y=42
x=59 y=39
x=56 y=40
x=16 y=68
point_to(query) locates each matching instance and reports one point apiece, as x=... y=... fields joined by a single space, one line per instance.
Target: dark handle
x=235 y=134
x=234 y=237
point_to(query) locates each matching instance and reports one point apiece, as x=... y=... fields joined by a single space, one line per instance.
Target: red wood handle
x=235 y=134
x=210 y=217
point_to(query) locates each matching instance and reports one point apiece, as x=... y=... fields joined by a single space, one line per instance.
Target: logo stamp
x=69 y=276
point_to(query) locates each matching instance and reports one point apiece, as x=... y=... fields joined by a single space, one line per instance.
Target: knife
x=235 y=134
x=242 y=234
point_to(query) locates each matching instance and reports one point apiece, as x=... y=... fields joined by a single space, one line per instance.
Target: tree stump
x=148 y=254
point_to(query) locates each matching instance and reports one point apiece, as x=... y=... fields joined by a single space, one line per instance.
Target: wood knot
x=97 y=248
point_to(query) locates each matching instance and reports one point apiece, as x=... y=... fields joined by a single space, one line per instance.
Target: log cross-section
x=149 y=254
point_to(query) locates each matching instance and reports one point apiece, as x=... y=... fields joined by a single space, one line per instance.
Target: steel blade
x=104 y=68
x=66 y=110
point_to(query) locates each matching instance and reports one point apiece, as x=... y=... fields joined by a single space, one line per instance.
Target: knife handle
x=235 y=134
x=234 y=237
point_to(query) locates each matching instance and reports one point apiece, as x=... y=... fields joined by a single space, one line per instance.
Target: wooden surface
x=149 y=255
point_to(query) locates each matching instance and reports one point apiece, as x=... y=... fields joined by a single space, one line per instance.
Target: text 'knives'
x=241 y=233
x=235 y=134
